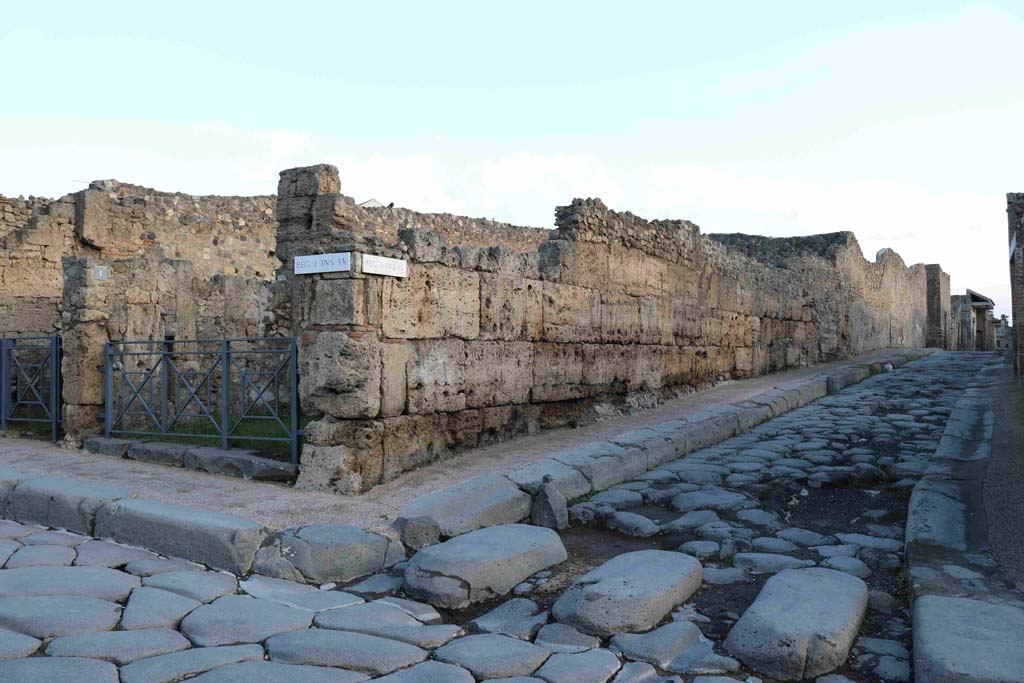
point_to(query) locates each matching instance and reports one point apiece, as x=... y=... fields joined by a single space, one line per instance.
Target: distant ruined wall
x=232 y=236
x=504 y=336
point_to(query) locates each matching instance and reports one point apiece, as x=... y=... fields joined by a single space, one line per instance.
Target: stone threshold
x=968 y=617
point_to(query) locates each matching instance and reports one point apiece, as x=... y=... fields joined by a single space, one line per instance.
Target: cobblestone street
x=762 y=558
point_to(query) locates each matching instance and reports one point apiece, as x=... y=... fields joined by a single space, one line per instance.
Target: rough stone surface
x=320 y=553
x=493 y=656
x=50 y=616
x=217 y=540
x=95 y=582
x=16 y=645
x=178 y=665
x=519 y=617
x=481 y=564
x=354 y=651
x=155 y=608
x=474 y=504
x=238 y=619
x=201 y=586
x=802 y=624
x=595 y=666
x=275 y=672
x=630 y=592
x=429 y=672
x=63 y=503
x=39 y=669
x=119 y=647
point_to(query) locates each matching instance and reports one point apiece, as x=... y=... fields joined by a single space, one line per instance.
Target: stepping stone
x=519 y=618
x=178 y=665
x=565 y=639
x=429 y=672
x=239 y=619
x=354 y=651
x=41 y=556
x=275 y=672
x=16 y=645
x=69 y=669
x=322 y=553
x=490 y=655
x=49 y=616
x=631 y=592
x=201 y=586
x=718 y=500
x=801 y=625
x=104 y=554
x=299 y=595
x=119 y=647
x=767 y=563
x=92 y=582
x=478 y=503
x=850 y=565
x=679 y=647
x=155 y=608
x=595 y=666
x=482 y=564
x=161 y=565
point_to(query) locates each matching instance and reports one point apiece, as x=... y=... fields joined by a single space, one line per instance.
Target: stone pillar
x=84 y=322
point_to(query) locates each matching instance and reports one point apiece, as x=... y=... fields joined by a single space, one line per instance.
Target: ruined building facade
x=493 y=331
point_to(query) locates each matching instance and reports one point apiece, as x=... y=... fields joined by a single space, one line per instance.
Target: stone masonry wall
x=1015 y=220
x=485 y=341
x=231 y=236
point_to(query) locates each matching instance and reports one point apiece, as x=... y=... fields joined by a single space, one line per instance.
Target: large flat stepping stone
x=92 y=582
x=595 y=666
x=960 y=640
x=119 y=647
x=178 y=665
x=66 y=669
x=354 y=651
x=802 y=623
x=50 y=616
x=429 y=672
x=489 y=655
x=631 y=592
x=238 y=619
x=155 y=608
x=480 y=502
x=15 y=645
x=482 y=564
x=322 y=553
x=201 y=586
x=275 y=672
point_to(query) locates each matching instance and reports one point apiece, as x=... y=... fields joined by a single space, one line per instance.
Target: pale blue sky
x=899 y=121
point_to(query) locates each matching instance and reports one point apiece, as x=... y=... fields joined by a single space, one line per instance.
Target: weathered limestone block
x=435 y=376
x=411 y=441
x=92 y=218
x=339 y=374
x=635 y=272
x=575 y=263
x=82 y=365
x=338 y=302
x=345 y=456
x=498 y=373
x=610 y=368
x=510 y=308
x=557 y=372
x=433 y=302
x=571 y=313
x=620 y=318
x=394 y=358
x=309 y=181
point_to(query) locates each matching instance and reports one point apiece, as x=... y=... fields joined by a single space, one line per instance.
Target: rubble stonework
x=232 y=236
x=481 y=343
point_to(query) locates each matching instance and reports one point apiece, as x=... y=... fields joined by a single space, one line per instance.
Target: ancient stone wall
x=232 y=236
x=1015 y=220
x=485 y=341
x=940 y=319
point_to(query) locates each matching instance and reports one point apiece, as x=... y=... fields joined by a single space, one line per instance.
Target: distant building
x=974 y=327
x=1004 y=333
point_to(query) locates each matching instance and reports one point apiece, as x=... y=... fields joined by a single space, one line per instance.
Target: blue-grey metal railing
x=204 y=389
x=30 y=382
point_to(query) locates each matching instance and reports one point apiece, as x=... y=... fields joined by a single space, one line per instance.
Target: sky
x=899 y=121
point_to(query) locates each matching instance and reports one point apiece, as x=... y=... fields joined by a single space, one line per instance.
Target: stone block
x=433 y=302
x=571 y=313
x=436 y=376
x=620 y=318
x=557 y=372
x=106 y=446
x=344 y=456
x=320 y=553
x=63 y=503
x=309 y=181
x=510 y=308
x=82 y=365
x=216 y=540
x=238 y=463
x=569 y=480
x=9 y=478
x=575 y=263
x=394 y=357
x=498 y=373
x=338 y=302
x=339 y=374
x=411 y=441
x=473 y=504
x=481 y=565
x=172 y=454
x=604 y=464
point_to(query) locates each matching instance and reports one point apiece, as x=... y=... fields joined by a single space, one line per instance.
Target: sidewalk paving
x=280 y=506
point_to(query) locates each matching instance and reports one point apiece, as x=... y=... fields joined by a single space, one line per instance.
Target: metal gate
x=30 y=382
x=228 y=390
